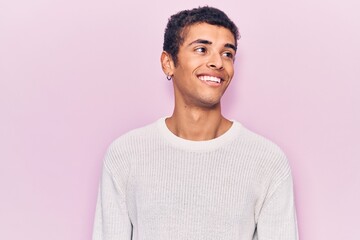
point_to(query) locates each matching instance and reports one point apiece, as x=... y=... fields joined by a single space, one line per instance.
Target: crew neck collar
x=199 y=146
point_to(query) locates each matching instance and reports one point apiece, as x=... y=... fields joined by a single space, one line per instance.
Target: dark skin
x=202 y=74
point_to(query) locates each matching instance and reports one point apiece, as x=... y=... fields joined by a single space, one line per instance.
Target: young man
x=196 y=174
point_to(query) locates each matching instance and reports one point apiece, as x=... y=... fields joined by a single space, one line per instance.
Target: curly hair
x=174 y=32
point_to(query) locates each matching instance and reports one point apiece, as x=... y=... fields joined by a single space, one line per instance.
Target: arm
x=111 y=217
x=277 y=220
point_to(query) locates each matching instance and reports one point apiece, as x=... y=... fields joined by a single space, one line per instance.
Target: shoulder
x=262 y=143
x=129 y=145
x=266 y=154
x=135 y=135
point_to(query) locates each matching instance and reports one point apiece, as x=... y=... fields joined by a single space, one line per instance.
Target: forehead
x=207 y=32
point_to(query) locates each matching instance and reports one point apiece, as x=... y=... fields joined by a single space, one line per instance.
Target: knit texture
x=157 y=186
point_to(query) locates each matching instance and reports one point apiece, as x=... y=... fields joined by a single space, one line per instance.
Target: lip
x=217 y=75
x=210 y=83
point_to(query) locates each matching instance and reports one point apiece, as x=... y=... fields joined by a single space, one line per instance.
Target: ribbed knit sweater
x=157 y=186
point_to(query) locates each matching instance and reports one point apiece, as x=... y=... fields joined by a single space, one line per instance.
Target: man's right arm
x=111 y=217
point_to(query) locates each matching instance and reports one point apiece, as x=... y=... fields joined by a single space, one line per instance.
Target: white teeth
x=210 y=78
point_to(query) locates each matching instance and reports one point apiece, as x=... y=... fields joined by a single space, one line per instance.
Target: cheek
x=230 y=69
x=188 y=67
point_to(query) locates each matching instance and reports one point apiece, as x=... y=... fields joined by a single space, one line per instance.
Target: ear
x=167 y=63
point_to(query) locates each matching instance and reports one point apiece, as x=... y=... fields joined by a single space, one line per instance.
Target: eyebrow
x=203 y=41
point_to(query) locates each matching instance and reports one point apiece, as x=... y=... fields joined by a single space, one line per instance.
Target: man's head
x=178 y=24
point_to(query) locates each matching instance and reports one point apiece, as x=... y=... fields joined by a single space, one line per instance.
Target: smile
x=210 y=79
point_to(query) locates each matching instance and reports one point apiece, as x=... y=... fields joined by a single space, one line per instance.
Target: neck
x=198 y=124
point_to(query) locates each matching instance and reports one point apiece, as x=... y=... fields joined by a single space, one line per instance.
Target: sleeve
x=111 y=217
x=277 y=219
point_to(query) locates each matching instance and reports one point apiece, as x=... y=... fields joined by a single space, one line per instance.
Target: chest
x=197 y=187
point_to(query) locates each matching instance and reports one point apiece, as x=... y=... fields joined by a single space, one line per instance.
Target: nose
x=215 y=62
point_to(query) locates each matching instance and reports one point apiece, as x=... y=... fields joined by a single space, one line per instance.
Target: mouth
x=210 y=79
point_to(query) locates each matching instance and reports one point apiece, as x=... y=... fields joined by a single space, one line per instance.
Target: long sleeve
x=111 y=218
x=277 y=220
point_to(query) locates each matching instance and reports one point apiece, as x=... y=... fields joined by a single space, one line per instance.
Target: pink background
x=74 y=75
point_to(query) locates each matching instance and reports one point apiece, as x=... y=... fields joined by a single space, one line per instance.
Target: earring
x=168 y=77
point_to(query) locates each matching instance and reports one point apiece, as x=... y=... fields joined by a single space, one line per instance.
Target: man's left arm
x=277 y=219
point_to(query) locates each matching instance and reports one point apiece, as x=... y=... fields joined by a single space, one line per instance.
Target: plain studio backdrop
x=75 y=75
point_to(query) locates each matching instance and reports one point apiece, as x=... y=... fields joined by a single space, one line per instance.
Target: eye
x=200 y=49
x=228 y=55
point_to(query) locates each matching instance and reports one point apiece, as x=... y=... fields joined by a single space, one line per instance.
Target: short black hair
x=174 y=32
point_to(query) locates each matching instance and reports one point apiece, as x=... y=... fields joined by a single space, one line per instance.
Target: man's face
x=205 y=65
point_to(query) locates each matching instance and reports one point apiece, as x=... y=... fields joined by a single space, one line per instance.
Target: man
x=196 y=174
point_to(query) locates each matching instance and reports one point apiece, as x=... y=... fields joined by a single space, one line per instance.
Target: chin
x=210 y=103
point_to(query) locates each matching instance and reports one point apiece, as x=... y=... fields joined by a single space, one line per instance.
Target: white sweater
x=157 y=186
